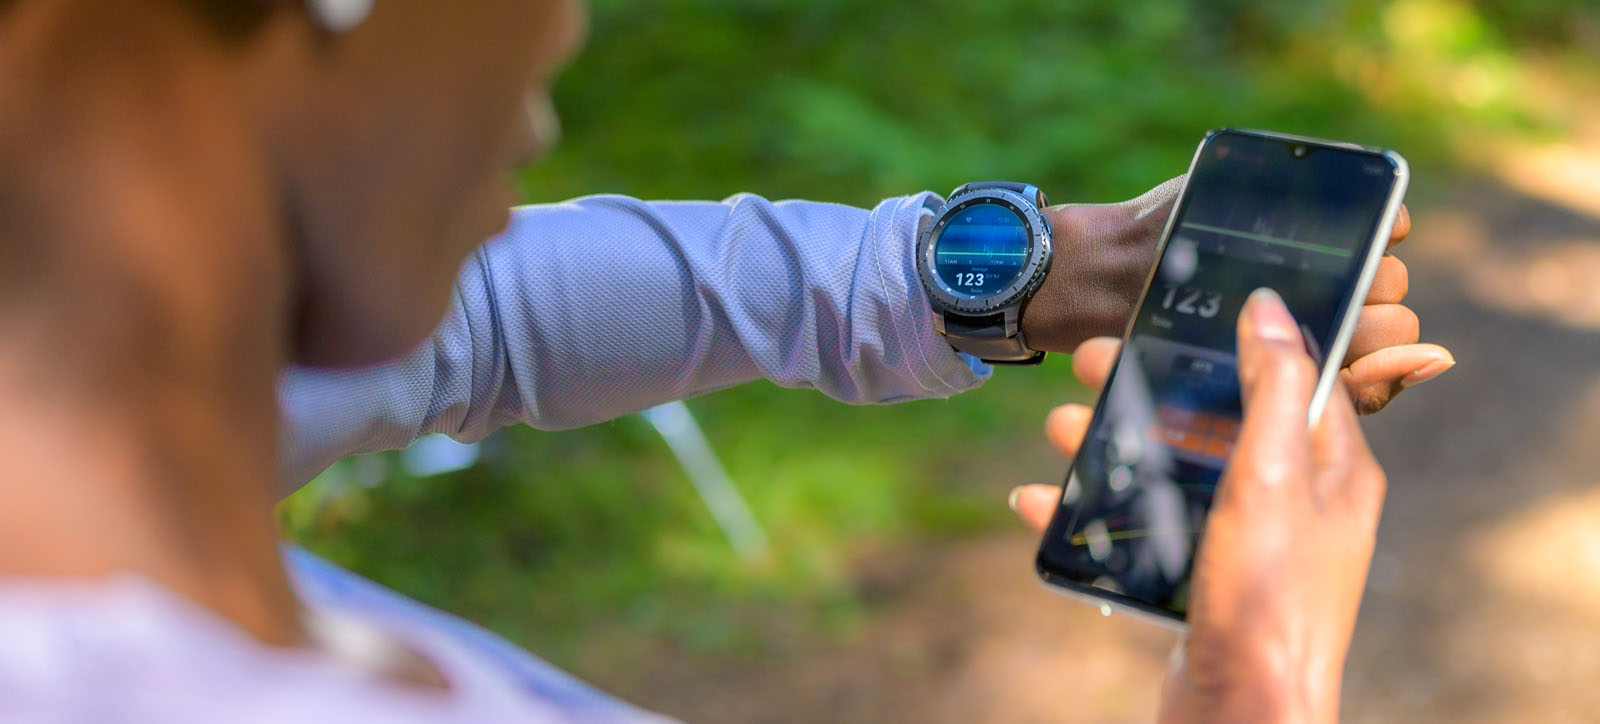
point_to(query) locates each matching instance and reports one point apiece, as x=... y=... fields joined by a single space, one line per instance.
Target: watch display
x=981 y=248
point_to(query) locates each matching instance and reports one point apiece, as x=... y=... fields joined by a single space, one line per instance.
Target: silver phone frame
x=1331 y=364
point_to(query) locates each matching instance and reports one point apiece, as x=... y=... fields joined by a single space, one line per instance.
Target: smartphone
x=1306 y=217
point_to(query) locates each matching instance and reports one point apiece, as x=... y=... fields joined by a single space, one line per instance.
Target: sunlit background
x=885 y=579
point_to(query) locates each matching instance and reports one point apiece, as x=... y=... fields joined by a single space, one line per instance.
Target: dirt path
x=1485 y=599
x=1484 y=603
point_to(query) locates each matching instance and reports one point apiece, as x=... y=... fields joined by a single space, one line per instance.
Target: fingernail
x=1014 y=497
x=1269 y=319
x=1427 y=372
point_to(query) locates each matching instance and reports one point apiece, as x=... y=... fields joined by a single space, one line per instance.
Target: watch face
x=981 y=248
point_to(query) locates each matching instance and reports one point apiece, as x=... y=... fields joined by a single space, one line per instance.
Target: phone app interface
x=1255 y=214
x=981 y=248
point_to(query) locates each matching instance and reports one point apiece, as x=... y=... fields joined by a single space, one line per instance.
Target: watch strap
x=985 y=338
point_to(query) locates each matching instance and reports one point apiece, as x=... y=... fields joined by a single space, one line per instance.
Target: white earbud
x=338 y=16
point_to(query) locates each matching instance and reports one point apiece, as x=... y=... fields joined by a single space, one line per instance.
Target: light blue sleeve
x=583 y=311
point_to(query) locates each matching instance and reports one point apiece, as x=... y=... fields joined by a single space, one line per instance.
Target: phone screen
x=1257 y=211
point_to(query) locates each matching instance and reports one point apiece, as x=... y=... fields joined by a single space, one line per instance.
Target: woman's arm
x=605 y=305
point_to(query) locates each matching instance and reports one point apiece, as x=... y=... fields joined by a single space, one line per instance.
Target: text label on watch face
x=981 y=249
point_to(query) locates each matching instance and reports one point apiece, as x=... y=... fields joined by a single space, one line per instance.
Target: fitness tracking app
x=1257 y=212
x=981 y=249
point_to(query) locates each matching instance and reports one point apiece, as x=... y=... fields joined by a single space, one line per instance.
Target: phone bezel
x=1376 y=246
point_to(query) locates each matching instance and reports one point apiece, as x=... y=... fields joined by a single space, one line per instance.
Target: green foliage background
x=592 y=540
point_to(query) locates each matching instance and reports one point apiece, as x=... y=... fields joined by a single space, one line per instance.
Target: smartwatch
x=981 y=258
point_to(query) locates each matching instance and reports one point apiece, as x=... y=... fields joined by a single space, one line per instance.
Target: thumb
x=1277 y=379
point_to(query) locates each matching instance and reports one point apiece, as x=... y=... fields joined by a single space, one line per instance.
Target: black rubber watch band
x=985 y=338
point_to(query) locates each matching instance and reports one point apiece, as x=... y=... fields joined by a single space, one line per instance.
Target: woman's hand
x=1103 y=256
x=1279 y=573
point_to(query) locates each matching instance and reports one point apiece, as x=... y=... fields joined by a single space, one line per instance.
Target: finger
x=1347 y=472
x=1034 y=504
x=1390 y=284
x=1375 y=379
x=1402 y=227
x=1065 y=427
x=1382 y=325
x=1276 y=381
x=1092 y=360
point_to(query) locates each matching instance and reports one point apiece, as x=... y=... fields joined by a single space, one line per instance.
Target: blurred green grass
x=559 y=540
x=560 y=533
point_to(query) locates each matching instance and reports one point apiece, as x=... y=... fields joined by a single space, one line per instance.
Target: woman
x=197 y=194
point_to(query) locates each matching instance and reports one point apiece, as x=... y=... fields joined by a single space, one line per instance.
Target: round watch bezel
x=1019 y=289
